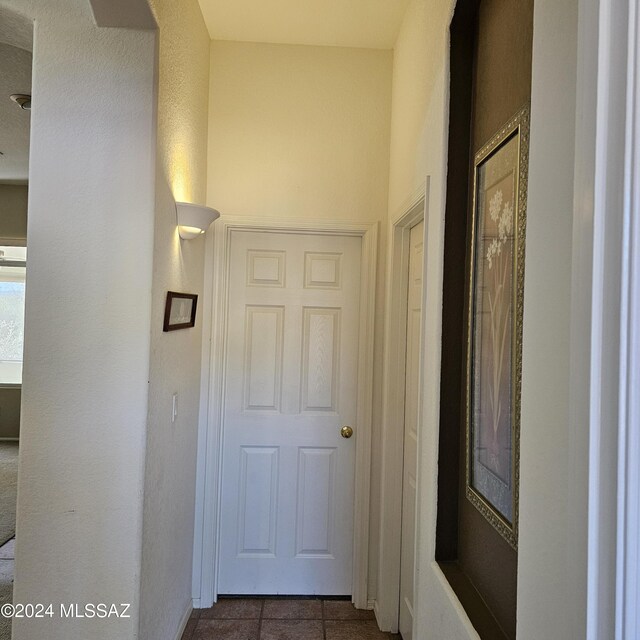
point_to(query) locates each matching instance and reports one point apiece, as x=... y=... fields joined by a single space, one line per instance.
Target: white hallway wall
x=90 y=235
x=551 y=597
x=178 y=265
x=98 y=372
x=552 y=569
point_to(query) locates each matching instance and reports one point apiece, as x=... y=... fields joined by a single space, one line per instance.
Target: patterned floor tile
x=292 y=609
x=344 y=610
x=226 y=630
x=235 y=608
x=291 y=630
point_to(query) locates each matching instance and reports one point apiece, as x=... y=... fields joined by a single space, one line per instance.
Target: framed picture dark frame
x=180 y=311
x=494 y=339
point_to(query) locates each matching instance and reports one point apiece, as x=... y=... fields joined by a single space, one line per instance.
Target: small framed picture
x=494 y=356
x=180 y=311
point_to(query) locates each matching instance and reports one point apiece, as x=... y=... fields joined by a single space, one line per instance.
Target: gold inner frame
x=518 y=126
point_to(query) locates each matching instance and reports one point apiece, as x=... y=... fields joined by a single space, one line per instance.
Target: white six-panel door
x=411 y=416
x=286 y=521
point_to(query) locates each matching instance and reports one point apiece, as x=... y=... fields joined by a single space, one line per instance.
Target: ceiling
x=15 y=29
x=15 y=77
x=372 y=24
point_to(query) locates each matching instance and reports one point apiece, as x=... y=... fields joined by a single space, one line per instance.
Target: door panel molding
x=215 y=305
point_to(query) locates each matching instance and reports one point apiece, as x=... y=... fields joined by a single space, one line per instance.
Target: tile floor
x=283 y=619
x=265 y=618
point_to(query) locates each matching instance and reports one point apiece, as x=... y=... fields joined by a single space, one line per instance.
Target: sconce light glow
x=194 y=219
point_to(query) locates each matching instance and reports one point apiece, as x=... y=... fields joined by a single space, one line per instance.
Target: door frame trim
x=215 y=305
x=604 y=320
x=387 y=606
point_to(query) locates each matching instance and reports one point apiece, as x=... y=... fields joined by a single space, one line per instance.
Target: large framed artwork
x=494 y=353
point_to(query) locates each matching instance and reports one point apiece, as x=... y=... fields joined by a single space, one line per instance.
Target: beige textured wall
x=416 y=116
x=178 y=265
x=554 y=445
x=303 y=132
x=299 y=131
x=130 y=527
x=83 y=425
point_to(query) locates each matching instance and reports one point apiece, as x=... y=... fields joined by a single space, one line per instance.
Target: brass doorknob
x=346 y=432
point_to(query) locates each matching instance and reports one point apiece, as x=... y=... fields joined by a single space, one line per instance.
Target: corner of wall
x=170 y=479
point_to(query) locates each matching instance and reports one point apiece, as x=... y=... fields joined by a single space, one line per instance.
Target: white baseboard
x=376 y=611
x=371 y=604
x=382 y=625
x=183 y=623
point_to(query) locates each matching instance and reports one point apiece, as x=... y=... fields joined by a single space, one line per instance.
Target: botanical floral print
x=494 y=356
x=504 y=220
x=498 y=257
x=492 y=339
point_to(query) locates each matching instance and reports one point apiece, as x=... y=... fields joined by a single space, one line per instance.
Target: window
x=12 y=283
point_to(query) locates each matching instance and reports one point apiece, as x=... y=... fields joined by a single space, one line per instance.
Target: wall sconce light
x=194 y=219
x=23 y=100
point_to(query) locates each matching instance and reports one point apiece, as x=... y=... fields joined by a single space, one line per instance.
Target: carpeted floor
x=6 y=594
x=8 y=489
x=8 y=495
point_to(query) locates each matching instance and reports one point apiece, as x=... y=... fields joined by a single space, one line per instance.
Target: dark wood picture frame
x=173 y=298
x=497 y=241
x=490 y=81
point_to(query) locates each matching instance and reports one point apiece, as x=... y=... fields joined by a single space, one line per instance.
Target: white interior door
x=290 y=385
x=411 y=416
